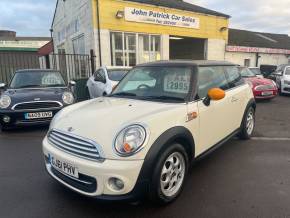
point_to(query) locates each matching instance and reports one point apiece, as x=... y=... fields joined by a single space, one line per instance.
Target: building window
x=79 y=45
x=149 y=48
x=129 y=49
x=247 y=63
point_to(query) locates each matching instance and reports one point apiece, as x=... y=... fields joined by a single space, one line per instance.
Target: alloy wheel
x=172 y=174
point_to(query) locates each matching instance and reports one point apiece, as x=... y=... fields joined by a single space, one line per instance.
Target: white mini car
x=282 y=75
x=104 y=80
x=141 y=139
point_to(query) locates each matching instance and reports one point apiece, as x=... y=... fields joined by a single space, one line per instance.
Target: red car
x=262 y=88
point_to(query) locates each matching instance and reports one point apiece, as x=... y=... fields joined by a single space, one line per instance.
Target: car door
x=214 y=120
x=99 y=83
x=236 y=95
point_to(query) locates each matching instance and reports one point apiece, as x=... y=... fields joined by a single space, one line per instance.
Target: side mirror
x=72 y=83
x=214 y=94
x=2 y=85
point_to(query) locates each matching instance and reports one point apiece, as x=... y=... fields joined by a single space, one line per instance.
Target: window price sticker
x=177 y=83
x=50 y=80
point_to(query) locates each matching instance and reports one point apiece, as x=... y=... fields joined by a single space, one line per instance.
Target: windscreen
x=256 y=71
x=156 y=83
x=245 y=72
x=37 y=79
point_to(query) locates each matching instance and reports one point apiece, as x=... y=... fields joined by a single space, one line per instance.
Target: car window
x=211 y=77
x=31 y=79
x=234 y=76
x=287 y=71
x=156 y=83
x=140 y=78
x=100 y=76
x=245 y=72
x=116 y=74
x=256 y=71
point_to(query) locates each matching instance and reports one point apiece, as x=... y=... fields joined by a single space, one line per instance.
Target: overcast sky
x=34 y=17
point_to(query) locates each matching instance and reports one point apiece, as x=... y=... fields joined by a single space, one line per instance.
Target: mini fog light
x=6 y=119
x=116 y=184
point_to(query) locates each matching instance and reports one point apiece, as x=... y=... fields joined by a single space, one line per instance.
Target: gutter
x=99 y=32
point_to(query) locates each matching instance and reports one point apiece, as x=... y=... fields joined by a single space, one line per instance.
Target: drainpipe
x=99 y=33
x=257 y=59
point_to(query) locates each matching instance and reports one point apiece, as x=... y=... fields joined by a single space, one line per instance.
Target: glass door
x=130 y=49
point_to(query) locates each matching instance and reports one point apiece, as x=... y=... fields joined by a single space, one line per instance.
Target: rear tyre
x=248 y=124
x=169 y=175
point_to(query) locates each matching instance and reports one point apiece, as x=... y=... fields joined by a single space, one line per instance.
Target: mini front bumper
x=285 y=88
x=94 y=176
x=17 y=118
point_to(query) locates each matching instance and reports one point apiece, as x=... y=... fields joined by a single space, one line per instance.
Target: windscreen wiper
x=123 y=94
x=28 y=86
x=163 y=97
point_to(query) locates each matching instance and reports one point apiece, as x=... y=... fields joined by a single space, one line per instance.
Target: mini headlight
x=68 y=98
x=5 y=101
x=130 y=140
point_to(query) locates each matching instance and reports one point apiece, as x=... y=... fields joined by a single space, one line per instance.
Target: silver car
x=104 y=80
x=282 y=75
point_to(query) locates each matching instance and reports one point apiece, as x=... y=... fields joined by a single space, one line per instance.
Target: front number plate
x=63 y=167
x=38 y=115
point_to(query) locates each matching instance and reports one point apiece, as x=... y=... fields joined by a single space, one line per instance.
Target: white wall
x=271 y=59
x=239 y=58
x=165 y=47
x=105 y=47
x=67 y=13
x=216 y=49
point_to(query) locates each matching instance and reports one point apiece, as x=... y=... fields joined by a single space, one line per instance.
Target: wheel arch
x=251 y=103
x=180 y=135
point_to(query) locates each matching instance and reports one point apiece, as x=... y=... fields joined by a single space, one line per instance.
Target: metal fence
x=12 y=61
x=71 y=66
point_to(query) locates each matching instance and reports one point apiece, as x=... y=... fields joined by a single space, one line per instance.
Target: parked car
x=256 y=71
x=267 y=70
x=141 y=139
x=33 y=97
x=104 y=80
x=262 y=88
x=282 y=76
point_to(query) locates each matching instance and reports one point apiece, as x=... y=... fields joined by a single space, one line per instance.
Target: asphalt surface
x=241 y=179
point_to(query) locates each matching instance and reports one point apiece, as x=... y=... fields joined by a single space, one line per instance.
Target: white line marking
x=270 y=139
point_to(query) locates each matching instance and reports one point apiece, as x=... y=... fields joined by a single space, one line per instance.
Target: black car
x=33 y=97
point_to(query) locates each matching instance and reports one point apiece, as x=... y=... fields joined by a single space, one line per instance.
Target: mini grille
x=75 y=145
x=37 y=105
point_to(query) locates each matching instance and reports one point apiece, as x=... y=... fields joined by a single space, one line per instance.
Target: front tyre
x=248 y=124
x=169 y=175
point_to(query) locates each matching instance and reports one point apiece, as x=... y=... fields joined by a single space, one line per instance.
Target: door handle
x=234 y=99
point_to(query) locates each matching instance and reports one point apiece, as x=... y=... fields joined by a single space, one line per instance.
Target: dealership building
x=130 y=32
x=252 y=49
x=126 y=33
